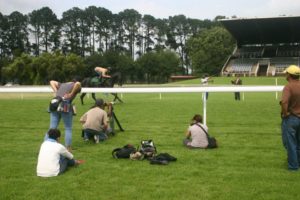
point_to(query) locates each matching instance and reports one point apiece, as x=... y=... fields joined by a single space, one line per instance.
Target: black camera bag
x=124 y=152
x=54 y=103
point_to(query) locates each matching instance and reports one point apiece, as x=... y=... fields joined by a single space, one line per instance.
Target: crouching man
x=95 y=122
x=54 y=158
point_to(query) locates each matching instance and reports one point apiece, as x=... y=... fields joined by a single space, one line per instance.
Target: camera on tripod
x=109 y=108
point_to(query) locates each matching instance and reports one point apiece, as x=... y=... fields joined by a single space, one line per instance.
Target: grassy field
x=250 y=162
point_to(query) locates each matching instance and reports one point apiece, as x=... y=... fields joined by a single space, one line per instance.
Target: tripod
x=114 y=118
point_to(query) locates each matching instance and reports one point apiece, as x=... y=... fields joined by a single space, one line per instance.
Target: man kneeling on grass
x=95 y=122
x=54 y=158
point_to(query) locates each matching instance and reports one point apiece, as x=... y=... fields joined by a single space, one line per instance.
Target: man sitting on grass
x=54 y=158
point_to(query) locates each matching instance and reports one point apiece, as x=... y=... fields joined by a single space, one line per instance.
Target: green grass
x=250 y=162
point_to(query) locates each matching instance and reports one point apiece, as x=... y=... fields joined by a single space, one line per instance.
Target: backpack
x=148 y=148
x=124 y=152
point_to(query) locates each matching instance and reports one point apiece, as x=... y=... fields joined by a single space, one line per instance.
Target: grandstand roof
x=264 y=30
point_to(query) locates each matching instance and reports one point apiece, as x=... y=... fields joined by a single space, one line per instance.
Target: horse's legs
x=94 y=96
x=117 y=97
x=81 y=97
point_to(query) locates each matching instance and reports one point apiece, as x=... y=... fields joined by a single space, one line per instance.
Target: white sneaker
x=96 y=137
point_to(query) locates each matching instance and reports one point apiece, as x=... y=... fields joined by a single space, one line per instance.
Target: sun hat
x=292 y=69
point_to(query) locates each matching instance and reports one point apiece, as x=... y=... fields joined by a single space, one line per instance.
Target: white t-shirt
x=204 y=81
x=49 y=156
x=199 y=138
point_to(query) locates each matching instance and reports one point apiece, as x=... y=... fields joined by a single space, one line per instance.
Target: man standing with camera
x=237 y=81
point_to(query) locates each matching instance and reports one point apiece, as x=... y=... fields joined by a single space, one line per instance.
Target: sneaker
x=96 y=138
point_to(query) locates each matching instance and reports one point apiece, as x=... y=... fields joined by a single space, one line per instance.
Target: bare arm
x=105 y=122
x=54 y=86
x=103 y=72
x=106 y=76
x=76 y=89
x=109 y=109
x=83 y=118
x=284 y=102
x=188 y=134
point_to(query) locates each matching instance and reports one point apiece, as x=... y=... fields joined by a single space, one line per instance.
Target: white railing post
x=204 y=107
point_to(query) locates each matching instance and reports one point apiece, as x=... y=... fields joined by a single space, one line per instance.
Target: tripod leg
x=118 y=123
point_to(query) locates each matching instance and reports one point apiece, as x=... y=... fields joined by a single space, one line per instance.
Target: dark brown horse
x=106 y=82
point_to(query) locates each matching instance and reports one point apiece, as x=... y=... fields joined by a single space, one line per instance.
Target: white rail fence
x=47 y=89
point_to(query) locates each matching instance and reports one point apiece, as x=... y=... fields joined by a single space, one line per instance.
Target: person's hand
x=67 y=96
x=285 y=115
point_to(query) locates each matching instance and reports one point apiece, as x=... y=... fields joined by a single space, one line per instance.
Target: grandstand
x=265 y=46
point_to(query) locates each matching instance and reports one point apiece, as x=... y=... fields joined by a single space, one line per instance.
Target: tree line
x=38 y=46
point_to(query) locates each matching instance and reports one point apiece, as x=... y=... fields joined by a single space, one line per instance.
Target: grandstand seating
x=288 y=51
x=280 y=63
x=242 y=66
x=246 y=66
x=249 y=52
x=264 y=47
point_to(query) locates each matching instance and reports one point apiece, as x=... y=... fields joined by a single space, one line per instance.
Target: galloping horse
x=107 y=82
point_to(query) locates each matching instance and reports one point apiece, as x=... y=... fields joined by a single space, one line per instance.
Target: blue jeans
x=64 y=163
x=89 y=134
x=186 y=142
x=291 y=140
x=68 y=122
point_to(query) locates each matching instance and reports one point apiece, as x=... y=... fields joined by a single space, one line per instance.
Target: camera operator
x=95 y=122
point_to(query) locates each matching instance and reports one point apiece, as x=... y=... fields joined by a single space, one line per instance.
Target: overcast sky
x=199 y=9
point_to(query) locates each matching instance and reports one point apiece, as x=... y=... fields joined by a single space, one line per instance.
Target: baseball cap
x=99 y=102
x=292 y=69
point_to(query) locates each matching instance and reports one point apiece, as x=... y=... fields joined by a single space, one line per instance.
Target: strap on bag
x=203 y=130
x=212 y=142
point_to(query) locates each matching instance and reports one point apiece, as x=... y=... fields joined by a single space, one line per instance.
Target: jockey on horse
x=102 y=72
x=102 y=79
